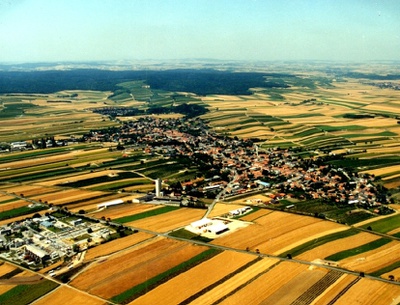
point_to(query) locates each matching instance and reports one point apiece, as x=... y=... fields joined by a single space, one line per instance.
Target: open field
x=195 y=279
x=277 y=232
x=127 y=269
x=169 y=221
x=338 y=245
x=60 y=295
x=116 y=245
x=319 y=119
x=372 y=260
x=257 y=291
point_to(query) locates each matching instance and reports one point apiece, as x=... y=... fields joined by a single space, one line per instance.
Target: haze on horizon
x=105 y=30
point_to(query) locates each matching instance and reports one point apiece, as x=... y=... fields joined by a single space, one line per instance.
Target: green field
x=26 y=294
x=361 y=249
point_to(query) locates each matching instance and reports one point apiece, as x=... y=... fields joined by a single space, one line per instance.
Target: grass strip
x=144 y=287
x=138 y=216
x=318 y=242
x=26 y=294
x=361 y=249
x=386 y=269
x=384 y=225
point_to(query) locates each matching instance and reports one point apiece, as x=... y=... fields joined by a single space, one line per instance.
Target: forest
x=200 y=81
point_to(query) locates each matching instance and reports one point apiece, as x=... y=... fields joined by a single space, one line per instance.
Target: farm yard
x=276 y=251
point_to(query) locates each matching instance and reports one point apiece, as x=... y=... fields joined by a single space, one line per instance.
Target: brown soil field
x=373 y=260
x=195 y=279
x=338 y=245
x=233 y=283
x=169 y=221
x=276 y=231
x=116 y=245
x=122 y=210
x=129 y=268
x=367 y=291
x=266 y=285
x=65 y=295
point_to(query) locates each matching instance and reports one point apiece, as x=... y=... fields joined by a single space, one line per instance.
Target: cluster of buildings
x=238 y=166
x=43 y=240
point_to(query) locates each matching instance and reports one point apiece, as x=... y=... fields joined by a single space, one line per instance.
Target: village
x=239 y=166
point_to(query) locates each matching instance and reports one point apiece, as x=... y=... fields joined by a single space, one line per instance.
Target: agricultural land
x=200 y=186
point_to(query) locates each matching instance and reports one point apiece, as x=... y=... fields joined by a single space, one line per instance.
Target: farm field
x=127 y=269
x=276 y=232
x=336 y=246
x=60 y=295
x=196 y=279
x=168 y=221
x=116 y=245
x=320 y=117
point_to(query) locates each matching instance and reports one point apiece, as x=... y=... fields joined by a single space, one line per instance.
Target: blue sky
x=90 y=30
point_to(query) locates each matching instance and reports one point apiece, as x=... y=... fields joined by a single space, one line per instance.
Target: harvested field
x=168 y=221
x=372 y=260
x=116 y=245
x=127 y=269
x=336 y=246
x=75 y=177
x=125 y=210
x=14 y=205
x=28 y=190
x=255 y=215
x=266 y=285
x=235 y=282
x=367 y=291
x=7 y=221
x=65 y=295
x=335 y=289
x=195 y=279
x=68 y=195
x=277 y=231
x=223 y=208
x=6 y=268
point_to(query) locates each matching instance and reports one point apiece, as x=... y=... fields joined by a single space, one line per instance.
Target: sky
x=267 y=30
